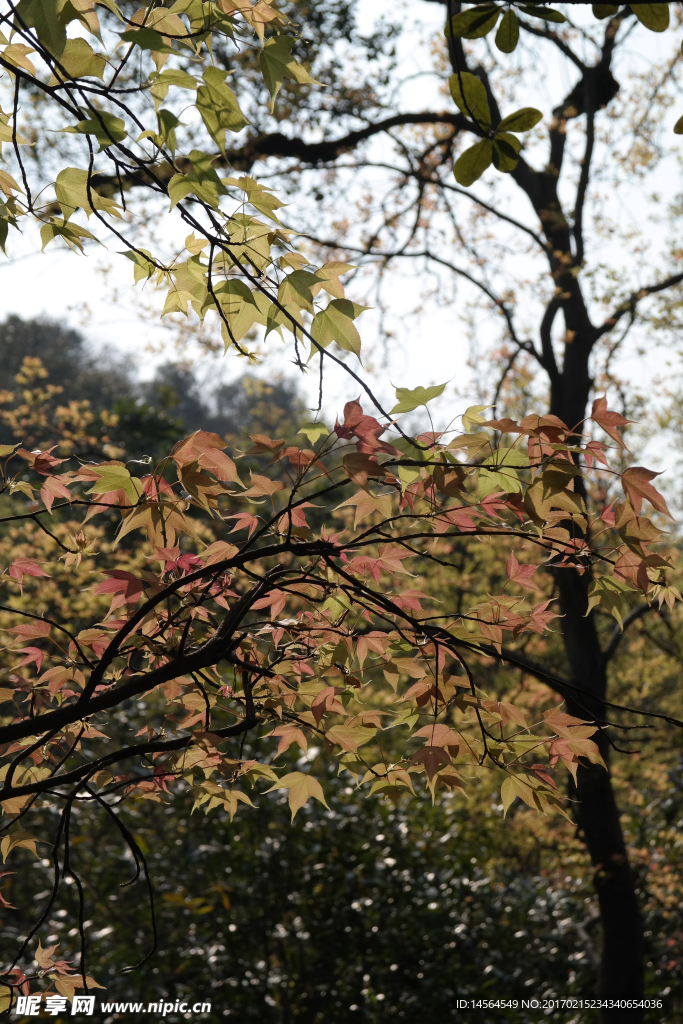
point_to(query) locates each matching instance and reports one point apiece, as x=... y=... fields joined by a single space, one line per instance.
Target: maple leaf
x=568 y=725
x=492 y=504
x=30 y=630
x=366 y=503
x=350 y=737
x=366 y=428
x=507 y=712
x=295 y=517
x=608 y=420
x=42 y=462
x=595 y=450
x=542 y=772
x=21 y=567
x=569 y=752
x=219 y=551
x=541 y=616
x=125 y=587
x=410 y=599
x=32 y=654
x=420 y=691
x=440 y=735
x=374 y=641
x=432 y=758
x=521 y=574
x=326 y=701
x=46 y=962
x=161 y=777
x=97 y=639
x=364 y=565
x=392 y=558
x=359 y=467
x=514 y=787
x=265 y=445
x=630 y=566
x=54 y=487
x=21 y=839
x=244 y=520
x=462 y=517
x=206 y=449
x=261 y=485
x=276 y=600
x=636 y=484
x=301 y=788
x=298 y=457
x=608 y=516
x=289 y=734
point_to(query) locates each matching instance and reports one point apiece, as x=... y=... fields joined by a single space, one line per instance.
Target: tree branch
x=617 y=634
x=630 y=305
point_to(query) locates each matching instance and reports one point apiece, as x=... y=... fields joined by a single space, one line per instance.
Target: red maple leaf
x=608 y=420
x=521 y=573
x=541 y=616
x=432 y=758
x=32 y=654
x=366 y=428
x=636 y=483
x=21 y=567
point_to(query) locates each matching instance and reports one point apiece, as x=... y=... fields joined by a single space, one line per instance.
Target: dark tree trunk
x=597 y=816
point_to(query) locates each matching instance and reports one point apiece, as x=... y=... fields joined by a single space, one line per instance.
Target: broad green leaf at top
x=412 y=399
x=469 y=95
x=277 y=63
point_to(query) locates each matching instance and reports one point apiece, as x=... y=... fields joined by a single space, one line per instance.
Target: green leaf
x=506 y=152
x=314 y=431
x=652 y=16
x=107 y=128
x=521 y=121
x=409 y=400
x=336 y=324
x=507 y=35
x=507 y=457
x=301 y=788
x=512 y=788
x=170 y=77
x=218 y=105
x=146 y=39
x=182 y=185
x=469 y=95
x=44 y=17
x=547 y=13
x=79 y=60
x=168 y=123
x=475 y=23
x=71 y=233
x=678 y=127
x=604 y=10
x=144 y=268
x=277 y=63
x=473 y=162
x=71 y=189
x=611 y=594
x=258 y=195
x=472 y=417
x=114 y=476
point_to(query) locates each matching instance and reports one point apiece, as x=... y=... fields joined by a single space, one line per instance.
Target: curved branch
x=631 y=303
x=138 y=750
x=617 y=633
